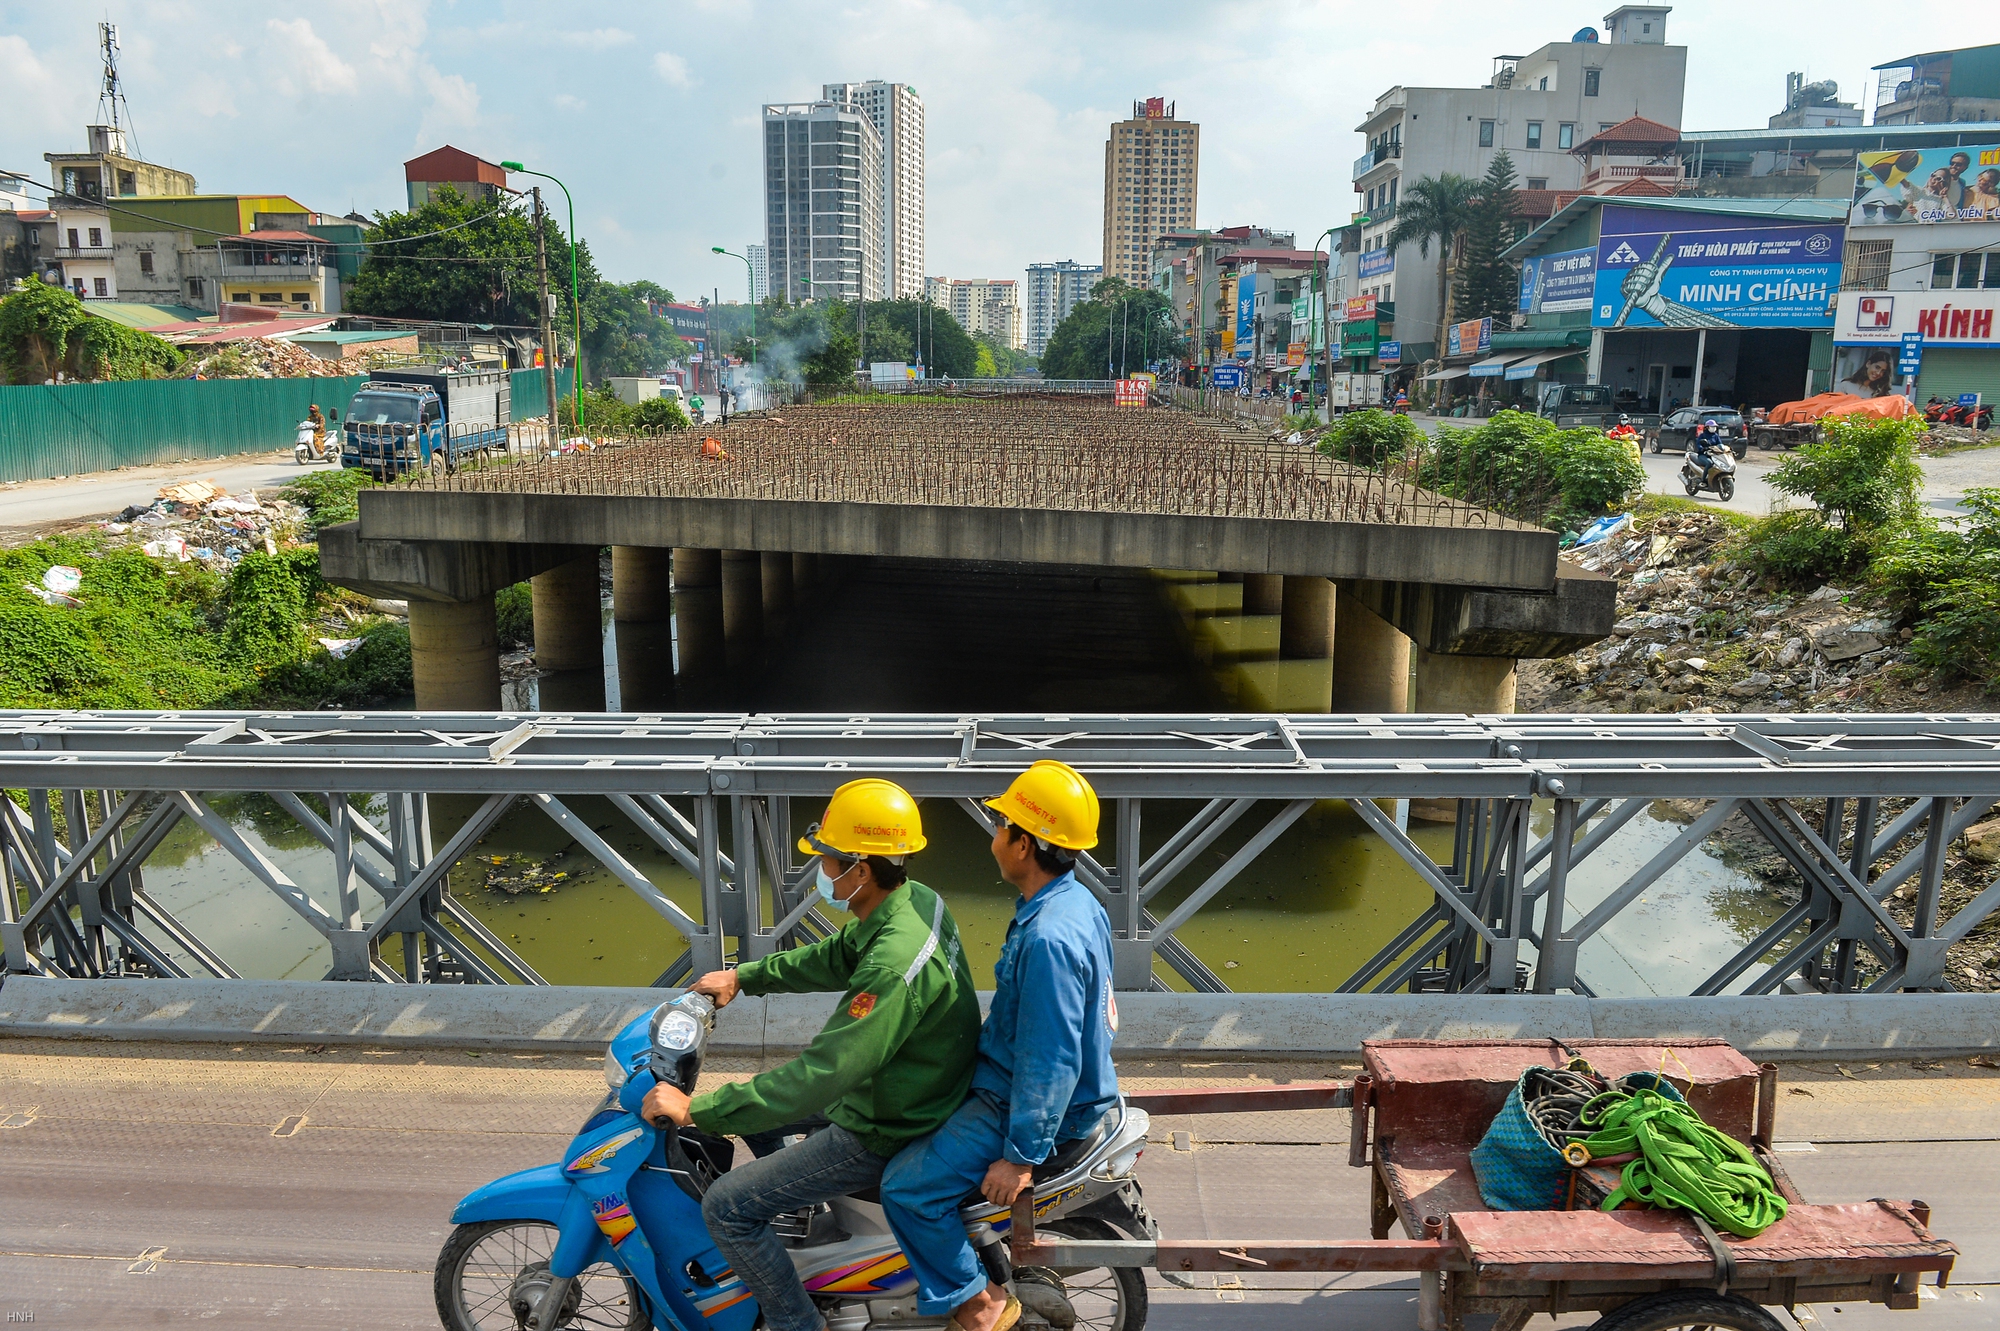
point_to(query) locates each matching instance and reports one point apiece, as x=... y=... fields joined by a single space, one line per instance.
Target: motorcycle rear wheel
x=1693 y=487
x=1106 y=1298
x=485 y=1270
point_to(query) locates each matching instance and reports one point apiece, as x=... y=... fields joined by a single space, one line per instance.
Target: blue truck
x=403 y=421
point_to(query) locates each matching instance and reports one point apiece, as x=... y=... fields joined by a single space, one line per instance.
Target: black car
x=1677 y=430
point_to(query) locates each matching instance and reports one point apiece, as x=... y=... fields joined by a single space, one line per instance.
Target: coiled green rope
x=1681 y=1162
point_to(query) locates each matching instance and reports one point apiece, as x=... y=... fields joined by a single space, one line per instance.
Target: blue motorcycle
x=613 y=1237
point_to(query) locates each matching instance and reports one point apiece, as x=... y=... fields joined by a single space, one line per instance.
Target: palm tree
x=1436 y=208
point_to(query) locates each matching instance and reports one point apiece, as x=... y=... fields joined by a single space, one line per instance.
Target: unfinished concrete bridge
x=1354 y=567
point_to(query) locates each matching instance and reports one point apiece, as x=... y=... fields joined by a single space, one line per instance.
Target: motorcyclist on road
x=319 y=427
x=1044 y=1075
x=890 y=1066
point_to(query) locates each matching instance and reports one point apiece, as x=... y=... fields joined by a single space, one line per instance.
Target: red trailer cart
x=1429 y=1102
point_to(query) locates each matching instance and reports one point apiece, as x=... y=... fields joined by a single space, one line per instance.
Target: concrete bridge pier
x=742 y=608
x=698 y=618
x=642 y=610
x=455 y=655
x=1263 y=593
x=777 y=578
x=1371 y=661
x=805 y=576
x=569 y=636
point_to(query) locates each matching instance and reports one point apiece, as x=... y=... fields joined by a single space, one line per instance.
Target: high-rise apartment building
x=823 y=202
x=989 y=305
x=760 y=273
x=1053 y=291
x=898 y=116
x=1152 y=164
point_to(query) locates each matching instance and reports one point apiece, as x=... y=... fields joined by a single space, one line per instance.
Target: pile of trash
x=266 y=358
x=1699 y=633
x=200 y=522
x=1942 y=438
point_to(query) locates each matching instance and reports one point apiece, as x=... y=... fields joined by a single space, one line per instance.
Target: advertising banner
x=1360 y=337
x=1390 y=353
x=1558 y=283
x=1943 y=318
x=1246 y=315
x=1295 y=353
x=1360 y=307
x=1928 y=185
x=1473 y=337
x=1662 y=269
x=1130 y=392
x=1377 y=263
x=1869 y=371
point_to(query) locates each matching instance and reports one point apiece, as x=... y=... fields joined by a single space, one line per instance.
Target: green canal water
x=977 y=639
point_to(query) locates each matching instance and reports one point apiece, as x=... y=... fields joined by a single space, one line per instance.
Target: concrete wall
x=1274 y=1025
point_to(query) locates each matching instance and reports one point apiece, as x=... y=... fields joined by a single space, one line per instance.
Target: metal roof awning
x=1526 y=367
x=1456 y=372
x=1491 y=368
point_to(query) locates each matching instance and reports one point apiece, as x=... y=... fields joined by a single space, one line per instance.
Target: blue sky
x=650 y=113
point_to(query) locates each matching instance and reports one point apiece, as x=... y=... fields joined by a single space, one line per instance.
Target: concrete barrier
x=1240 y=1025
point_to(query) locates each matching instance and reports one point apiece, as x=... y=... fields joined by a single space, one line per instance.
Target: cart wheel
x=1687 y=1310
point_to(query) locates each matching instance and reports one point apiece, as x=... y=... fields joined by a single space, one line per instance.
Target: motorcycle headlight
x=677 y=1032
x=615 y=1075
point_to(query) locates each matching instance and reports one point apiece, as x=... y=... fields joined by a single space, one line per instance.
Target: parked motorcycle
x=614 y=1236
x=1714 y=470
x=313 y=445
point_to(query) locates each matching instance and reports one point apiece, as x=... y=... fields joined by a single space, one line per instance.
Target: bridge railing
x=1862 y=809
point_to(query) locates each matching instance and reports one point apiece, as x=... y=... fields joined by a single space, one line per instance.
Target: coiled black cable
x=1554 y=1099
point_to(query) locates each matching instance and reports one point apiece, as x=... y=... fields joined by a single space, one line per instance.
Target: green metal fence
x=70 y=429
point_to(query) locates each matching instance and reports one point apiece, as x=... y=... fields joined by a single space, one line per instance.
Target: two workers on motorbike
x=890 y=1071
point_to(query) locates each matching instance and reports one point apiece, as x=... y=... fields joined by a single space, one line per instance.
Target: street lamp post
x=751 y=273
x=1326 y=313
x=575 y=296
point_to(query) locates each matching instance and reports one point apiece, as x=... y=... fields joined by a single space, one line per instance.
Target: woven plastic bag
x=1516 y=1169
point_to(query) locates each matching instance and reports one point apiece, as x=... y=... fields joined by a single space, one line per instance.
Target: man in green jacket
x=890 y=1066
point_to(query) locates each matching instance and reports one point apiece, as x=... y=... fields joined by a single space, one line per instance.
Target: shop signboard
x=1130 y=392
x=1390 y=353
x=1295 y=353
x=1473 y=337
x=1959 y=318
x=1377 y=263
x=1927 y=185
x=1912 y=359
x=1227 y=376
x=1360 y=337
x=1246 y=314
x=1360 y=307
x=1558 y=283
x=1658 y=268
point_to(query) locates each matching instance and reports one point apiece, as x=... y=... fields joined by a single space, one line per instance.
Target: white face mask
x=824 y=886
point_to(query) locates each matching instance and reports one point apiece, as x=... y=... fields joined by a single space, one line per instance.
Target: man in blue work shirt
x=1044 y=1073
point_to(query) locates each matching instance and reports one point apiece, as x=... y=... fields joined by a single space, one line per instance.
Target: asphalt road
x=147 y=1185
x=27 y=507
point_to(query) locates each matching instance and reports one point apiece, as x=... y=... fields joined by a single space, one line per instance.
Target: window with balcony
x=1963 y=271
x=96 y=239
x=1566 y=136
x=1534 y=133
x=1590 y=78
x=1486 y=133
x=72 y=239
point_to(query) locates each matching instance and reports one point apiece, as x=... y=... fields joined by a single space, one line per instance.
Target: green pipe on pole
x=575 y=295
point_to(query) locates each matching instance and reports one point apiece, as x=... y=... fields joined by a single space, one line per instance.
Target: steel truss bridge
x=104 y=789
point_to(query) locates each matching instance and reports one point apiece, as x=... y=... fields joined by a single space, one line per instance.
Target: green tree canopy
x=1119 y=329
x=1487 y=283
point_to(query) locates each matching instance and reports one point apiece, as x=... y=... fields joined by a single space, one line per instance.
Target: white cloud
x=673 y=69
x=597 y=39
x=454 y=105
x=564 y=102
x=311 y=58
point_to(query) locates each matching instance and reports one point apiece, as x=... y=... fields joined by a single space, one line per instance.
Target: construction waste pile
x=1698 y=633
x=266 y=358
x=200 y=522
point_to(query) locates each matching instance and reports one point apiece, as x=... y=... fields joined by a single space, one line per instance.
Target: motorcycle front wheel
x=491 y=1276
x=1725 y=488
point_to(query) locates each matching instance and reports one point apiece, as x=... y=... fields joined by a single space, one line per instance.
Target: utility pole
x=548 y=332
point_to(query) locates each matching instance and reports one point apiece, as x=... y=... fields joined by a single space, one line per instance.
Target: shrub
x=328 y=496
x=660 y=413
x=268 y=599
x=1801 y=546
x=45 y=330
x=1951 y=578
x=1371 y=438
x=1863 y=474
x=1595 y=474
x=1525 y=466
x=514 y=614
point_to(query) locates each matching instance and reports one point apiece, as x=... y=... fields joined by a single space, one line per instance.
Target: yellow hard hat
x=1051 y=802
x=867 y=817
